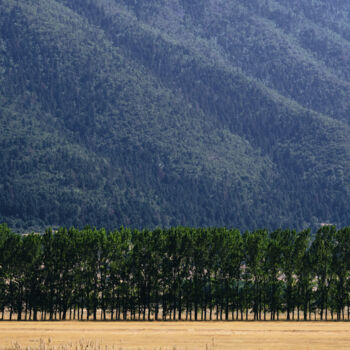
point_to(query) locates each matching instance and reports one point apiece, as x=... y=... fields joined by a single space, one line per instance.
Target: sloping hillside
x=146 y=113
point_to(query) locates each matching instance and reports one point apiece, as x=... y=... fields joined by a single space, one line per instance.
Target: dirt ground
x=183 y=335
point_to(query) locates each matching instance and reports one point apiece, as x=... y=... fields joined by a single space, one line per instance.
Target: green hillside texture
x=149 y=113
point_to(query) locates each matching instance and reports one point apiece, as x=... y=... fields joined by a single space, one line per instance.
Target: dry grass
x=81 y=345
x=174 y=335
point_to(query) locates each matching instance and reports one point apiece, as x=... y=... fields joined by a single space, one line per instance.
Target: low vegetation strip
x=175 y=274
x=82 y=345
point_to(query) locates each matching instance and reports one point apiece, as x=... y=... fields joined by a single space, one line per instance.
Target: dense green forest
x=175 y=273
x=151 y=113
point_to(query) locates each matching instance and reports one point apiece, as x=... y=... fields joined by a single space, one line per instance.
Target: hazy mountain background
x=155 y=112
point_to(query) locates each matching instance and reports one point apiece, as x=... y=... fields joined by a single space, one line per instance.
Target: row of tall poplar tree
x=176 y=273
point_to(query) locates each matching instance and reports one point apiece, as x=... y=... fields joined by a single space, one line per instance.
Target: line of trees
x=176 y=273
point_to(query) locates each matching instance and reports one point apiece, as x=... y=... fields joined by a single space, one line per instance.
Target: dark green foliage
x=176 y=273
x=146 y=113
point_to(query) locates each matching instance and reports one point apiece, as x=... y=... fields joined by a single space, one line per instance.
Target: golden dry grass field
x=181 y=335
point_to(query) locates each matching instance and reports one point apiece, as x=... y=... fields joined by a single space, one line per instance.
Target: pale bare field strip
x=182 y=335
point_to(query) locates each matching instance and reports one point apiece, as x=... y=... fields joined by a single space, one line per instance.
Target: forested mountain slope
x=155 y=112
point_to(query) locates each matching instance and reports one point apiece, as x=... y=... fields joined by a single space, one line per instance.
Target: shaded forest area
x=164 y=113
x=173 y=274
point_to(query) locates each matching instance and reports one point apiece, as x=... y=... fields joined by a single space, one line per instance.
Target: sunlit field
x=174 y=335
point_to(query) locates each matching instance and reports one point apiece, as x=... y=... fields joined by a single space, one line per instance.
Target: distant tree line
x=176 y=273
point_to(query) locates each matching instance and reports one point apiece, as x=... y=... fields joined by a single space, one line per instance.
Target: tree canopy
x=176 y=273
x=164 y=113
